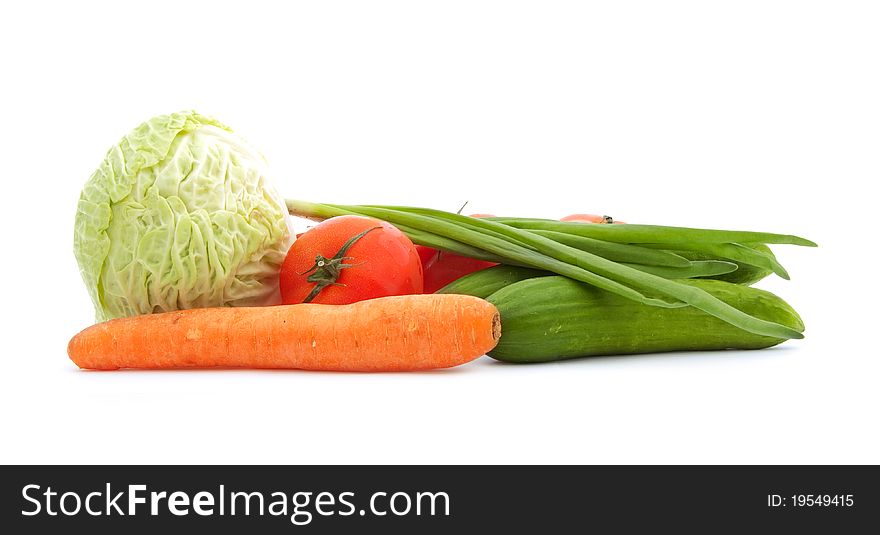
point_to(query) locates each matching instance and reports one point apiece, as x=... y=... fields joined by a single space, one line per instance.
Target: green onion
x=730 y=251
x=652 y=233
x=619 y=252
x=515 y=245
x=697 y=268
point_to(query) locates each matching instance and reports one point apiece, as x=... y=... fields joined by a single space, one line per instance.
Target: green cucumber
x=551 y=318
x=487 y=281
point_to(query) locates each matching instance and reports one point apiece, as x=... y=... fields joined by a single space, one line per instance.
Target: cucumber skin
x=553 y=318
x=485 y=282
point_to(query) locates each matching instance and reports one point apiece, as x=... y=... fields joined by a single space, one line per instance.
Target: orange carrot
x=411 y=332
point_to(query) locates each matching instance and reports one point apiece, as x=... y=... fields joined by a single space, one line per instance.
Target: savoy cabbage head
x=180 y=214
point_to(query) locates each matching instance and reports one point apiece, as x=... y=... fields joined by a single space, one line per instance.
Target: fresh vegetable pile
x=181 y=241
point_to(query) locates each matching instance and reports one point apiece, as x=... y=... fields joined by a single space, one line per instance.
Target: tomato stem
x=325 y=271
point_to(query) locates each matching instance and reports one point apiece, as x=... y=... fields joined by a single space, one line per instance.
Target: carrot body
x=412 y=332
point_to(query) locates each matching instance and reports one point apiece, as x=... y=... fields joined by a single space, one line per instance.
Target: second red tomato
x=441 y=268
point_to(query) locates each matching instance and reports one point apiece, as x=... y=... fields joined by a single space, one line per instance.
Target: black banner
x=436 y=499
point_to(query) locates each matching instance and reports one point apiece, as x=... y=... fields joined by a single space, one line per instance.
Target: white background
x=747 y=115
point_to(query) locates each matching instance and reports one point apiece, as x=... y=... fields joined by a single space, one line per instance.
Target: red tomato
x=441 y=268
x=590 y=218
x=426 y=254
x=381 y=262
x=444 y=268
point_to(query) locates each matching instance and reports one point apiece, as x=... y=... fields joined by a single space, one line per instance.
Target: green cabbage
x=180 y=215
